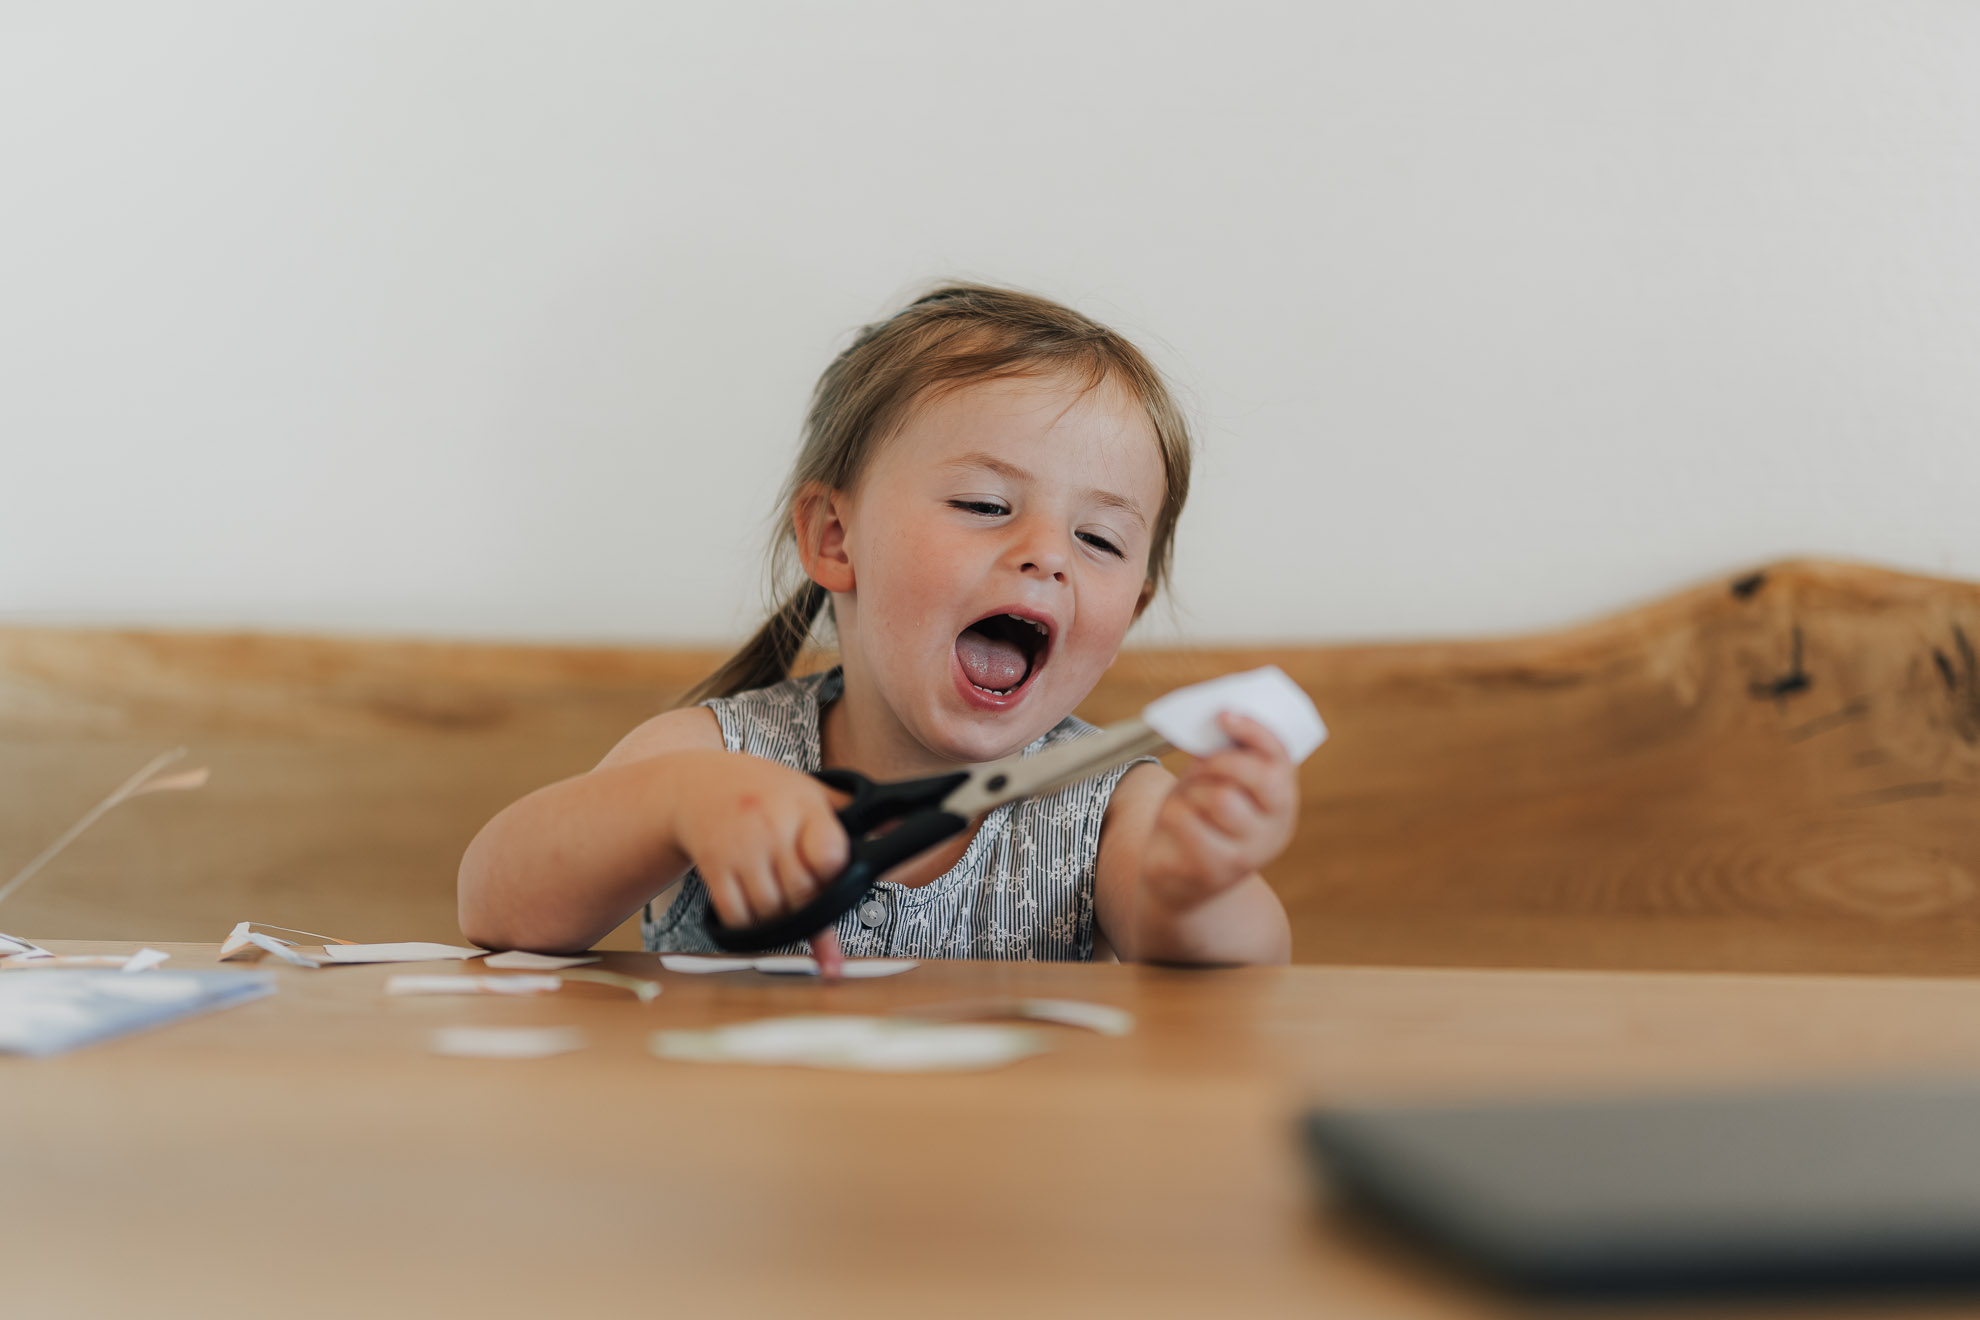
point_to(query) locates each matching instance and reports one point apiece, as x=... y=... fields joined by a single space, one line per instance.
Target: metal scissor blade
x=1016 y=777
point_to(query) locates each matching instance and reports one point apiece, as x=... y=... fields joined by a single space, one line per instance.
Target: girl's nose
x=1042 y=552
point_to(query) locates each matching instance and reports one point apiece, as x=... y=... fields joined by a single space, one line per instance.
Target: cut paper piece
x=145 y=959
x=695 y=964
x=410 y=951
x=249 y=940
x=146 y=780
x=853 y=969
x=1187 y=717
x=517 y=961
x=111 y=960
x=15 y=945
x=784 y=964
x=646 y=991
x=1103 y=1018
x=863 y=1044
x=473 y=985
x=54 y=1011
x=505 y=1042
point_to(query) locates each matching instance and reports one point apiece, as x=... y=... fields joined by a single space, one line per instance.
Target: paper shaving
x=518 y=961
x=791 y=964
x=145 y=959
x=1103 y=1018
x=249 y=940
x=646 y=991
x=1187 y=717
x=15 y=945
x=863 y=1044
x=410 y=951
x=505 y=1042
x=473 y=985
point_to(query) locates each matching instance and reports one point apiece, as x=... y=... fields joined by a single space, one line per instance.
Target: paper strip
x=518 y=961
x=505 y=1042
x=473 y=985
x=145 y=959
x=784 y=964
x=146 y=780
x=409 y=951
x=1187 y=717
x=1103 y=1018
x=14 y=944
x=864 y=1044
x=646 y=991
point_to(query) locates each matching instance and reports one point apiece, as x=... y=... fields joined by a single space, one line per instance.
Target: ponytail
x=766 y=658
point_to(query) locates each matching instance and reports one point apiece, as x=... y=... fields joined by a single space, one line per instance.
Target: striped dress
x=1022 y=890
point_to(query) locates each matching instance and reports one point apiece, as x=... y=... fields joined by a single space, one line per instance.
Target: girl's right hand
x=764 y=837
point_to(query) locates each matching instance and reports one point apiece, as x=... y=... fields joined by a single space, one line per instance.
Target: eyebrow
x=991 y=463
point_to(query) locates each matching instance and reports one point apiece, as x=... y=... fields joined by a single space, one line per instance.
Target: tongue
x=991 y=662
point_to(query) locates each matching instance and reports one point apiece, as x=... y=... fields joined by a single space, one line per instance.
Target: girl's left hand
x=1228 y=815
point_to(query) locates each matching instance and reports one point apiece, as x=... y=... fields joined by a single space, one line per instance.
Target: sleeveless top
x=1023 y=889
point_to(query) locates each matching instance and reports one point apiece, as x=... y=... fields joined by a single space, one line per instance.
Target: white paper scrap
x=505 y=1042
x=515 y=960
x=1103 y=1018
x=864 y=1044
x=145 y=959
x=14 y=944
x=473 y=985
x=1187 y=717
x=784 y=964
x=412 y=951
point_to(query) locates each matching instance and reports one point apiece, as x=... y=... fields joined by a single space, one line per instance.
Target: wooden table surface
x=307 y=1153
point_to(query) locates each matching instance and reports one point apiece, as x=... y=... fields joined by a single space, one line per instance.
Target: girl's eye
x=1103 y=543
x=984 y=507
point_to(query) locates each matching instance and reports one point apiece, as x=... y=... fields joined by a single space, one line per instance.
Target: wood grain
x=306 y=1153
x=1778 y=771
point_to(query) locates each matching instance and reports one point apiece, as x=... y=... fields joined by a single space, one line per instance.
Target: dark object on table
x=1843 y=1187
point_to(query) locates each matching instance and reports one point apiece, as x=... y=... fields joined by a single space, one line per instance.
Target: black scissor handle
x=922 y=825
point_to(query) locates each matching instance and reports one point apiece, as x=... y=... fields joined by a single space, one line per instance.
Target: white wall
x=458 y=318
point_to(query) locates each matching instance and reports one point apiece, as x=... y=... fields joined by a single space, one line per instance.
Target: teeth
x=1033 y=622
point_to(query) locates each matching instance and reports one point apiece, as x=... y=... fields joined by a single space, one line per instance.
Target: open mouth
x=1000 y=653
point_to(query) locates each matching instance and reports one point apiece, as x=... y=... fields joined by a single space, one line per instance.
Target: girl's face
x=995 y=553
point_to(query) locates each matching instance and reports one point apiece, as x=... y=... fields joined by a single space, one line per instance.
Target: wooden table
x=306 y=1152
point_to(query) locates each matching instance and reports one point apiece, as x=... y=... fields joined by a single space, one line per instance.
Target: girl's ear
x=818 y=519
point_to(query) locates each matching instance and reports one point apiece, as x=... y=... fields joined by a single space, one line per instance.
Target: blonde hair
x=954 y=336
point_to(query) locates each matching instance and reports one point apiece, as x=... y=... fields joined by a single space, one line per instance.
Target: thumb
x=823 y=846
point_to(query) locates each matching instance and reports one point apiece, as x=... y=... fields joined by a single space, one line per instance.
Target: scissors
x=926 y=811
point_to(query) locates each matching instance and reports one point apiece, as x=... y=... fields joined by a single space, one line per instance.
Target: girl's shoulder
x=779 y=722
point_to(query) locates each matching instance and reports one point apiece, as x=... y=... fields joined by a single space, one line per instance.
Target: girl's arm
x=559 y=869
x=1177 y=876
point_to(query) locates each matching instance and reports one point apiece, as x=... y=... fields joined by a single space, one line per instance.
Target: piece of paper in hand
x=1187 y=717
x=863 y=1044
x=505 y=1042
x=410 y=951
x=473 y=985
x=515 y=960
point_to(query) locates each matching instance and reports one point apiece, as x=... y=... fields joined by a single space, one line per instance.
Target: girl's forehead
x=1048 y=425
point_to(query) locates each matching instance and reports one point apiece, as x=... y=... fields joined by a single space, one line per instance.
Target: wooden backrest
x=1776 y=772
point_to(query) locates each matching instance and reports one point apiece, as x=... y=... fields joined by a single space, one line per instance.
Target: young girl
x=985 y=500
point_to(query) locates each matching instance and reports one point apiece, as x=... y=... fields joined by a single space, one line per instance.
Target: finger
x=1252 y=736
x=1225 y=807
x=825 y=948
x=796 y=879
x=728 y=899
x=758 y=879
x=1268 y=783
x=822 y=845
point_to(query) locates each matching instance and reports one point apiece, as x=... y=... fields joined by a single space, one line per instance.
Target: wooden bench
x=1778 y=771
